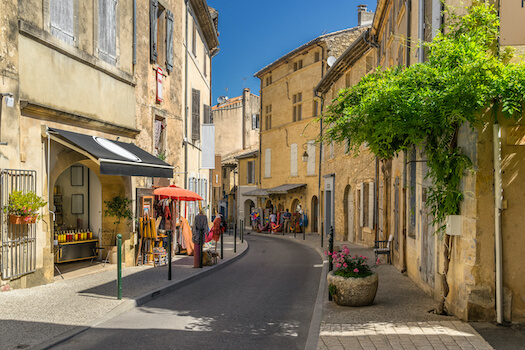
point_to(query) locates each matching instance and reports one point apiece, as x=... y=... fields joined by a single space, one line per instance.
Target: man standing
x=287 y=216
x=200 y=228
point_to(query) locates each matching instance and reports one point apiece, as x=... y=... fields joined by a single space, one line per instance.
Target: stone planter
x=353 y=291
x=21 y=220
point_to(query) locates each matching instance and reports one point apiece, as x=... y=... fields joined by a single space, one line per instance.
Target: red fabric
x=216 y=229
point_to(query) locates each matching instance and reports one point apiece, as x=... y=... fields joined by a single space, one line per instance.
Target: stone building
x=349 y=182
x=82 y=107
x=484 y=245
x=289 y=154
x=236 y=123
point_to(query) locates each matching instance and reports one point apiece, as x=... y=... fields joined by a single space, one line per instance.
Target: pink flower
x=345 y=265
x=378 y=261
x=356 y=270
x=338 y=265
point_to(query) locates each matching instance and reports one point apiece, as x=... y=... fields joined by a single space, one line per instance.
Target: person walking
x=287 y=216
x=200 y=228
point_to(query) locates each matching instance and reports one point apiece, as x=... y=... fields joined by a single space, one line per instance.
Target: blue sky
x=253 y=34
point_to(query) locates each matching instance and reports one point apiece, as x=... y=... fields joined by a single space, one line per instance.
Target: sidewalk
x=40 y=316
x=398 y=319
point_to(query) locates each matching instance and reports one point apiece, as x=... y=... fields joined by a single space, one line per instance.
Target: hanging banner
x=208 y=146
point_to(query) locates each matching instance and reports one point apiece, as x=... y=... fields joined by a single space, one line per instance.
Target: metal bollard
x=242 y=231
x=304 y=233
x=330 y=250
x=222 y=246
x=235 y=238
x=322 y=233
x=170 y=244
x=119 y=266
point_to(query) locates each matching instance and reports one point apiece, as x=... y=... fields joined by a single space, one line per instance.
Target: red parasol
x=176 y=192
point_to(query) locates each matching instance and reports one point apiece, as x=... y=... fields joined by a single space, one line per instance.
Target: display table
x=78 y=250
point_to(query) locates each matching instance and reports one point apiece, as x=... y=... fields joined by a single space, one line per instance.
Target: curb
x=137 y=301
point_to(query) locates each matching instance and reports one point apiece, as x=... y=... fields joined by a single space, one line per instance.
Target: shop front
x=86 y=174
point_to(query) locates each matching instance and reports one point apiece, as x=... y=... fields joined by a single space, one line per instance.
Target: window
x=297 y=107
x=160 y=126
x=194 y=40
x=268 y=118
x=255 y=121
x=195 y=114
x=315 y=108
x=107 y=30
x=293 y=159
x=316 y=57
x=223 y=173
x=250 y=172
x=61 y=13
x=268 y=80
x=208 y=117
x=297 y=65
x=161 y=35
x=268 y=163
x=332 y=148
x=310 y=165
x=369 y=64
x=367 y=200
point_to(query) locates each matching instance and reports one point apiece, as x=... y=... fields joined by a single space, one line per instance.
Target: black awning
x=114 y=157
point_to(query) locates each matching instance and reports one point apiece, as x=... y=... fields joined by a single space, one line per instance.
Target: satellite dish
x=222 y=99
x=331 y=60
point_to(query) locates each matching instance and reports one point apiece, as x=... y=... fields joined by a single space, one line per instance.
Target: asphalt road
x=265 y=300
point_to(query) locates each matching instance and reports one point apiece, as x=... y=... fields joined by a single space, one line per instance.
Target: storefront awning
x=284 y=189
x=114 y=157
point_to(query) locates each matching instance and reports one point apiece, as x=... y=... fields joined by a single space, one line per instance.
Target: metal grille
x=18 y=254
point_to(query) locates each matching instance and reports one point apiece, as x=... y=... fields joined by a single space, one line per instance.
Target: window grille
x=18 y=250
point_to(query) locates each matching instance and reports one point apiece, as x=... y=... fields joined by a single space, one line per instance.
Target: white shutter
x=362 y=204
x=371 y=201
x=208 y=146
x=268 y=163
x=293 y=159
x=61 y=13
x=107 y=30
x=310 y=165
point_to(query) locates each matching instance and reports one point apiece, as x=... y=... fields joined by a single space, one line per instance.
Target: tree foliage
x=464 y=76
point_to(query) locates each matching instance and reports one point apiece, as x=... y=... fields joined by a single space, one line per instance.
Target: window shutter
x=362 y=204
x=107 y=30
x=371 y=202
x=310 y=165
x=195 y=114
x=169 y=40
x=62 y=24
x=207 y=115
x=293 y=159
x=153 y=10
x=268 y=163
x=251 y=172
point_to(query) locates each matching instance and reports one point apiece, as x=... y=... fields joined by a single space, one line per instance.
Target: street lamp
x=305 y=157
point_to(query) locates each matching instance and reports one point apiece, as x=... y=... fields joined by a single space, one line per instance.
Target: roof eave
x=206 y=23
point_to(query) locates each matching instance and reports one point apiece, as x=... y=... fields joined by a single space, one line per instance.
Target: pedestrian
x=273 y=218
x=287 y=216
x=200 y=228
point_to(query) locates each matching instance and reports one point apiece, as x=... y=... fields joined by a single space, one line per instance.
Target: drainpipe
x=408 y=5
x=134 y=60
x=186 y=101
x=496 y=141
x=421 y=28
x=48 y=176
x=321 y=97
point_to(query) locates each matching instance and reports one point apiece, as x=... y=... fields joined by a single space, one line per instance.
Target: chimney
x=364 y=17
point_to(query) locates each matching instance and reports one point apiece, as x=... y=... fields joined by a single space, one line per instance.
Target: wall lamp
x=305 y=157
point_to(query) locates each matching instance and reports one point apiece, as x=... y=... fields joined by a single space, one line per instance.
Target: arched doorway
x=315 y=214
x=249 y=206
x=349 y=213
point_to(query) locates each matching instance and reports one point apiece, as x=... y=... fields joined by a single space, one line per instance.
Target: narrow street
x=264 y=300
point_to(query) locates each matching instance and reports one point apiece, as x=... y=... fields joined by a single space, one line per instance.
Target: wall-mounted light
x=305 y=157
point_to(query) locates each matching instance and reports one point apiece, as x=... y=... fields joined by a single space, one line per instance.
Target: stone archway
x=249 y=205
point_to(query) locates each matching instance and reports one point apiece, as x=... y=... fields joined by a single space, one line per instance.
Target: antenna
x=222 y=99
x=330 y=61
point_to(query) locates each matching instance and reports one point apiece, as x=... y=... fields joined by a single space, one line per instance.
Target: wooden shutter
x=310 y=165
x=268 y=163
x=362 y=204
x=207 y=115
x=371 y=204
x=195 y=114
x=293 y=159
x=153 y=9
x=169 y=40
x=62 y=25
x=107 y=30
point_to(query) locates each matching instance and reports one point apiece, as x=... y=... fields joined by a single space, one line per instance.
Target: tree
x=118 y=207
x=466 y=79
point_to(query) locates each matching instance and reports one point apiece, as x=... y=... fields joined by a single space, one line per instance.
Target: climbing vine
x=465 y=76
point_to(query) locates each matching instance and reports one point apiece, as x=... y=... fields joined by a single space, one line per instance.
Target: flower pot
x=353 y=291
x=20 y=220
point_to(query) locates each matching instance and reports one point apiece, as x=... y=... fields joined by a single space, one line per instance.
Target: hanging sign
x=159 y=84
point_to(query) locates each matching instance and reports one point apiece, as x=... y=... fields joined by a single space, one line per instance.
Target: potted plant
x=23 y=207
x=352 y=283
x=118 y=207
